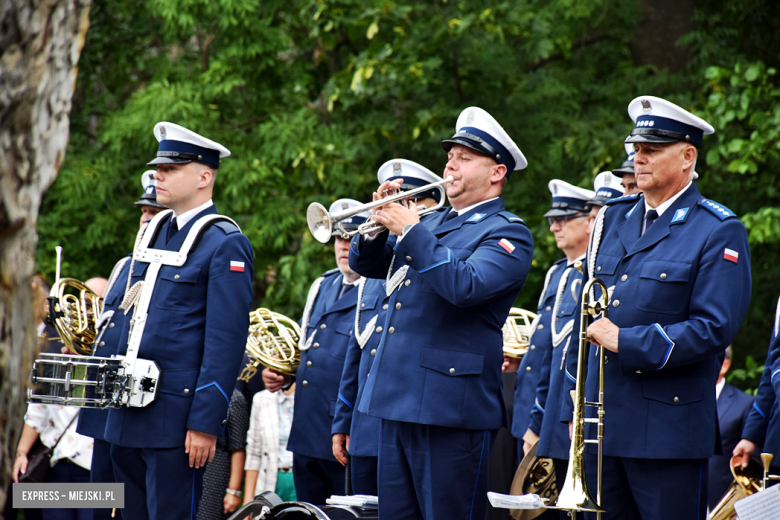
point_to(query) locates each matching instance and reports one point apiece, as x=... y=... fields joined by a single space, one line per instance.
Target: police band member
x=110 y=325
x=355 y=432
x=453 y=276
x=148 y=202
x=607 y=186
x=763 y=424
x=327 y=326
x=196 y=321
x=677 y=266
x=626 y=172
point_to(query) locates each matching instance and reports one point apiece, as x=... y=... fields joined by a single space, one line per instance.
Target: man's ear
x=498 y=172
x=205 y=176
x=689 y=156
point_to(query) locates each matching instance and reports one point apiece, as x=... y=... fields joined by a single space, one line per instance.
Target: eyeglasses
x=561 y=221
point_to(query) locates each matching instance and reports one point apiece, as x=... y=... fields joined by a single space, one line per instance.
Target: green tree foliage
x=312 y=96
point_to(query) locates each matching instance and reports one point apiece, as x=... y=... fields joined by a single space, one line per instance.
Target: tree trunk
x=663 y=23
x=40 y=44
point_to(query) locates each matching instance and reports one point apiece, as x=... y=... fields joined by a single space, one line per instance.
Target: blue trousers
x=364 y=475
x=102 y=471
x=317 y=479
x=66 y=471
x=650 y=489
x=433 y=472
x=159 y=483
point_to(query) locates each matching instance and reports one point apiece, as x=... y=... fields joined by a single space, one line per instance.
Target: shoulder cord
x=567 y=328
x=304 y=342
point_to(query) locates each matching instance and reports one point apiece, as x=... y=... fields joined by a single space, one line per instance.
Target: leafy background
x=311 y=96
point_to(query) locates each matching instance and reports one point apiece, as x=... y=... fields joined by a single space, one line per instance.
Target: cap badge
x=396 y=167
x=607 y=180
x=646 y=107
x=344 y=205
x=150 y=190
x=470 y=116
x=162 y=133
x=555 y=189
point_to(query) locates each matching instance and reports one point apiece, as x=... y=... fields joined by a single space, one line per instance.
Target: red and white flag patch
x=237 y=266
x=507 y=245
x=730 y=255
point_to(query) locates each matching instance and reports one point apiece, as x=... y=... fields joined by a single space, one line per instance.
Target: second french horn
x=272 y=342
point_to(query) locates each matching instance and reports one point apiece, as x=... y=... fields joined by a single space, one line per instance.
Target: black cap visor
x=565 y=212
x=147 y=202
x=626 y=167
x=449 y=143
x=167 y=160
x=597 y=201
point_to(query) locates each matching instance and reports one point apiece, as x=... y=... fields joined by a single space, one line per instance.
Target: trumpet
x=517 y=332
x=272 y=342
x=321 y=222
x=73 y=316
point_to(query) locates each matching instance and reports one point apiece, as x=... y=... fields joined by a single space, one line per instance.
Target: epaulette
x=511 y=217
x=625 y=198
x=228 y=227
x=330 y=272
x=719 y=210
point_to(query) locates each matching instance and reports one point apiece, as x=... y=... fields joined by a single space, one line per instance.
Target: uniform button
x=527 y=369
x=186 y=391
x=102 y=344
x=391 y=330
x=663 y=276
x=373 y=352
x=408 y=258
x=379 y=329
x=316 y=345
x=598 y=269
x=308 y=363
x=362 y=305
x=616 y=303
x=305 y=383
x=548 y=308
x=624 y=278
x=323 y=327
x=606 y=360
x=541 y=326
x=368 y=374
x=224 y=422
x=111 y=325
x=384 y=307
x=408 y=283
x=176 y=277
x=452 y=370
x=533 y=347
x=676 y=399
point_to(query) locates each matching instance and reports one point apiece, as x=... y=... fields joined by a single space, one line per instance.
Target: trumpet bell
x=273 y=340
x=320 y=223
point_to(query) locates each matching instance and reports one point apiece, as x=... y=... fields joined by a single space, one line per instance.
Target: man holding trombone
x=677 y=266
x=451 y=280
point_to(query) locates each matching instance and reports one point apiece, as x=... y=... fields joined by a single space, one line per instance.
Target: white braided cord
x=567 y=328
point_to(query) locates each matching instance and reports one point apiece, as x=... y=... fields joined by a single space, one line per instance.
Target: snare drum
x=83 y=381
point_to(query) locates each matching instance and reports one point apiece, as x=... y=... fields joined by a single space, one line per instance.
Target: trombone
x=574 y=494
x=321 y=221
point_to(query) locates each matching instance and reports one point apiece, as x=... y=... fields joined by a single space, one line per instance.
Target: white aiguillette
x=529 y=501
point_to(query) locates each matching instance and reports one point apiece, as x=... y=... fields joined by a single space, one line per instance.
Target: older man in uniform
x=677 y=267
x=451 y=280
x=188 y=292
x=327 y=326
x=354 y=432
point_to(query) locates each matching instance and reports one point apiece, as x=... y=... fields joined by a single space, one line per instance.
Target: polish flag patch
x=237 y=266
x=507 y=245
x=730 y=255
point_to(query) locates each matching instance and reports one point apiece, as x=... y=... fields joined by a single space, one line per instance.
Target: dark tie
x=449 y=216
x=650 y=217
x=345 y=288
x=172 y=229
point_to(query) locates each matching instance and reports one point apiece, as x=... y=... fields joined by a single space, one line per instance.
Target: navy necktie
x=449 y=216
x=650 y=217
x=172 y=229
x=345 y=288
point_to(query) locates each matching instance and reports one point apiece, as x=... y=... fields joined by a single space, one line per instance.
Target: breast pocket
x=341 y=339
x=663 y=287
x=176 y=288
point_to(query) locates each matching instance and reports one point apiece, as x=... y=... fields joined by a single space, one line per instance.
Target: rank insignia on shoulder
x=731 y=255
x=719 y=210
x=507 y=245
x=237 y=266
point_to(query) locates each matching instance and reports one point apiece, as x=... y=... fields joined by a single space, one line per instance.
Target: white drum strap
x=304 y=343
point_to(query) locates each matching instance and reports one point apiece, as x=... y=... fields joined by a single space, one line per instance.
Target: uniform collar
x=719 y=387
x=578 y=259
x=469 y=208
x=181 y=220
x=665 y=205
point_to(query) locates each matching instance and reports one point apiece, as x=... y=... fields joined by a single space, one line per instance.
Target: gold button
x=391 y=330
x=176 y=277
x=548 y=308
x=541 y=326
x=373 y=352
x=308 y=363
x=527 y=369
x=323 y=327
x=408 y=258
x=102 y=344
x=533 y=347
x=316 y=345
x=598 y=269
x=384 y=307
x=398 y=305
x=379 y=329
x=305 y=383
x=616 y=303
x=186 y=391
x=111 y=325
x=624 y=278
x=452 y=371
x=676 y=399
x=408 y=283
x=663 y=276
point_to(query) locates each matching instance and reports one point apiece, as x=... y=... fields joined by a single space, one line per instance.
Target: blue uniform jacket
x=763 y=423
x=440 y=354
x=331 y=325
x=552 y=395
x=92 y=421
x=196 y=332
x=363 y=429
x=531 y=365
x=678 y=296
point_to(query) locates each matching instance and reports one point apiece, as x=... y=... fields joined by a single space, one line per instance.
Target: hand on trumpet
x=393 y=216
x=603 y=332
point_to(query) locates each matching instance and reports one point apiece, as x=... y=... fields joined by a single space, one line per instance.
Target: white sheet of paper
x=367 y=501
x=764 y=505
x=529 y=501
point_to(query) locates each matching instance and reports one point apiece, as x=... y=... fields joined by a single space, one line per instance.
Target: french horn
x=272 y=342
x=517 y=332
